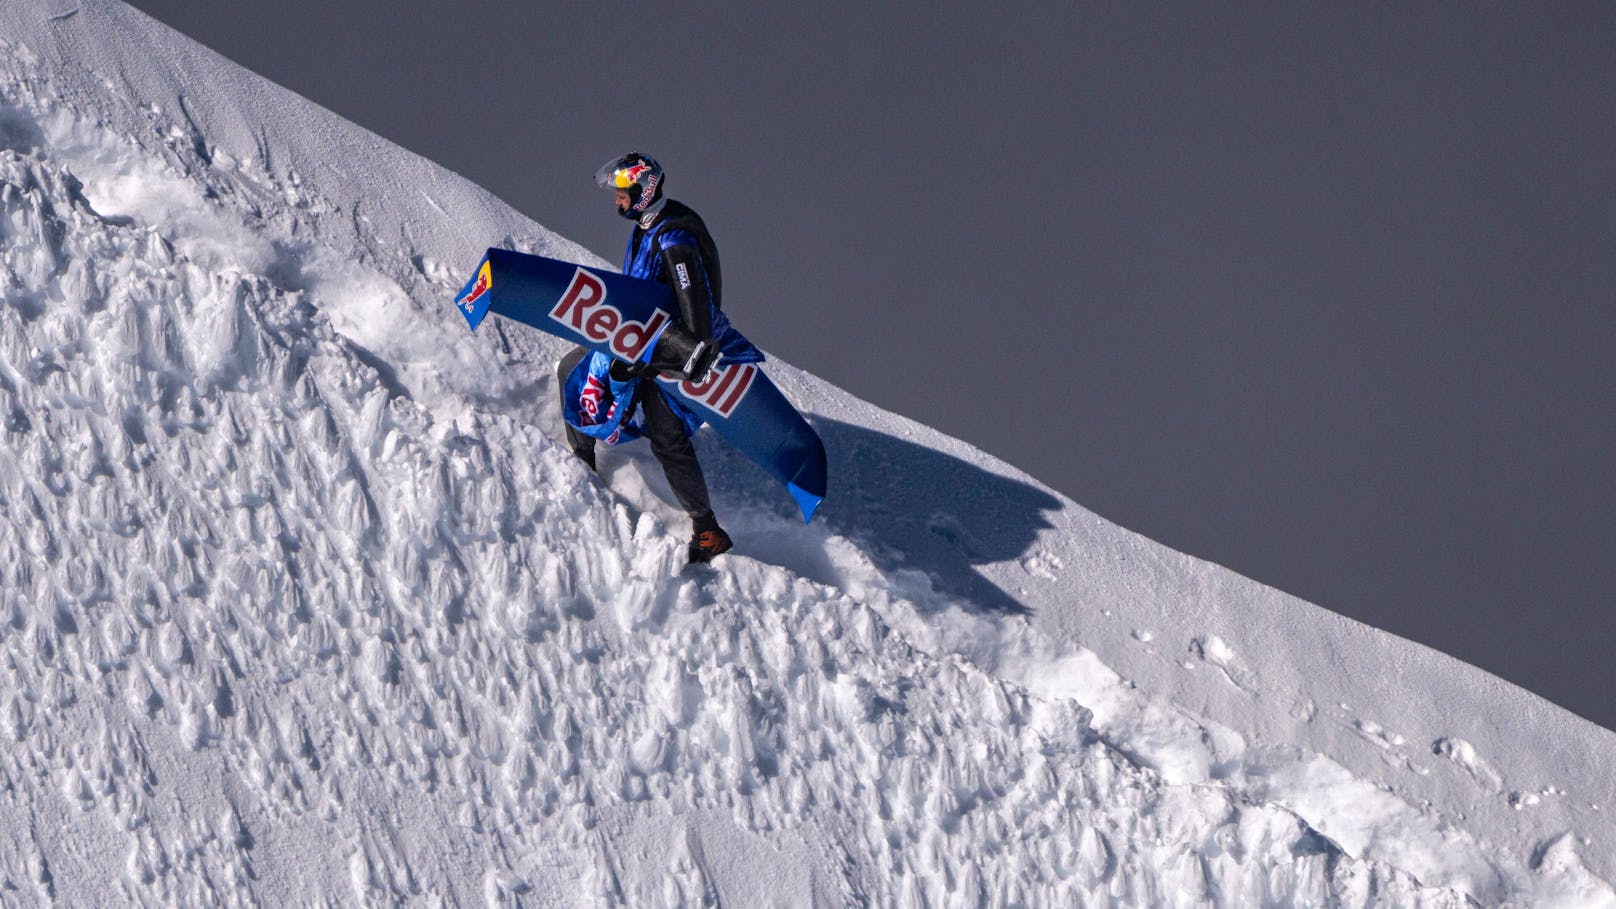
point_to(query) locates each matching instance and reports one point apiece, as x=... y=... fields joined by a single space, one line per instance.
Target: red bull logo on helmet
x=584 y=310
x=629 y=175
x=648 y=194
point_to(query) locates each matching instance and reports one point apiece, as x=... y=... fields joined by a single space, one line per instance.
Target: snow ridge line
x=188 y=375
x=206 y=466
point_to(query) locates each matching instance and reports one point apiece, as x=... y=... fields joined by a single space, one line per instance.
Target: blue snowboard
x=571 y=302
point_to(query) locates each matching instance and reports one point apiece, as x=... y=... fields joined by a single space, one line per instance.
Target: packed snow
x=304 y=604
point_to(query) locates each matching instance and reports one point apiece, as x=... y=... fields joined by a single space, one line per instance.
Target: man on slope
x=613 y=401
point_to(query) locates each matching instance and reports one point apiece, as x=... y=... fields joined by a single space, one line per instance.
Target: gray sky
x=1320 y=292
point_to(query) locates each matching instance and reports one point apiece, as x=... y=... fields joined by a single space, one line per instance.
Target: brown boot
x=709 y=543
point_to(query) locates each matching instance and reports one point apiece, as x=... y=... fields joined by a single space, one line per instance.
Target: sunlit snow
x=303 y=604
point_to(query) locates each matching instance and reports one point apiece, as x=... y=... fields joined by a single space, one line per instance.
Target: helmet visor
x=620 y=173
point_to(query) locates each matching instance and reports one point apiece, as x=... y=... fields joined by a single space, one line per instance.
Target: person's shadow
x=907 y=508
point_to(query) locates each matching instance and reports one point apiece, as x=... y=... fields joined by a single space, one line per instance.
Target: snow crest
x=303 y=605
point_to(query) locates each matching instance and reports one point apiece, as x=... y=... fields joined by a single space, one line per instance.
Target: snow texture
x=304 y=605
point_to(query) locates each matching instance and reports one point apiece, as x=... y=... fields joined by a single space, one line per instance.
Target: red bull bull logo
x=485 y=280
x=583 y=309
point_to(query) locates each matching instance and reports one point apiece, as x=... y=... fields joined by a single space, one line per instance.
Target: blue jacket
x=679 y=238
x=599 y=406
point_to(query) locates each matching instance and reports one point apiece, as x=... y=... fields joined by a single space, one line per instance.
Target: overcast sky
x=1320 y=292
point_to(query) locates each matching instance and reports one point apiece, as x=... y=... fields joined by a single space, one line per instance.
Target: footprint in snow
x=1213 y=649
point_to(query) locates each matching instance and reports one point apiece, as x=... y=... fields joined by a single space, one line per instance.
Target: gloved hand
x=623 y=372
x=679 y=353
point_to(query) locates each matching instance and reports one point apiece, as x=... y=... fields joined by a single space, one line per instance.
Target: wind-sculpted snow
x=304 y=607
x=277 y=631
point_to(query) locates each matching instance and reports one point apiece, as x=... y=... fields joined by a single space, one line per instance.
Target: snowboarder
x=671 y=245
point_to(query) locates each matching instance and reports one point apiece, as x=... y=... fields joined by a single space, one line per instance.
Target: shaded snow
x=304 y=604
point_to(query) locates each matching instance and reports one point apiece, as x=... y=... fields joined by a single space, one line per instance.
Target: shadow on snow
x=905 y=506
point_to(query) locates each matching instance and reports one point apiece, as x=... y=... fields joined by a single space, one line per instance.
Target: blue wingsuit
x=670 y=246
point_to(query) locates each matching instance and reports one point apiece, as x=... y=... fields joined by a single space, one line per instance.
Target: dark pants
x=669 y=443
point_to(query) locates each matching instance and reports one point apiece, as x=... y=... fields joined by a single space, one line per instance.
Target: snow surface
x=304 y=605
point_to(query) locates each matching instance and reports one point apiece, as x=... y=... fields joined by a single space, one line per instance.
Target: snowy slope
x=304 y=605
